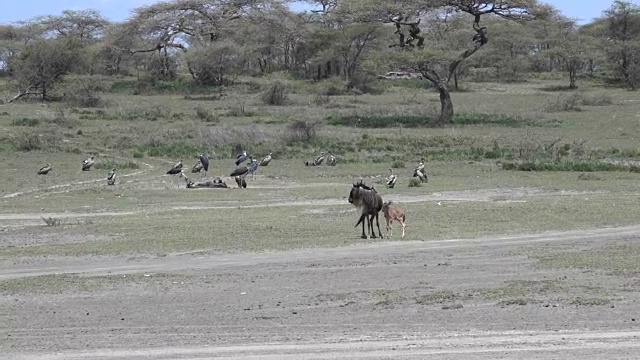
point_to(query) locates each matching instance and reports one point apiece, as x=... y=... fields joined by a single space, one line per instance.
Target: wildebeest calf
x=391 y=214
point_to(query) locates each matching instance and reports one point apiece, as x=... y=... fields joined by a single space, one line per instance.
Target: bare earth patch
x=477 y=298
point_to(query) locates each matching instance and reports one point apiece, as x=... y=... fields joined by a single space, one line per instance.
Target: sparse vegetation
x=619 y=259
x=275 y=94
x=207 y=115
x=58 y=284
x=581 y=301
x=52 y=222
x=438 y=297
x=25 y=122
x=412 y=121
x=108 y=164
x=415 y=182
x=84 y=91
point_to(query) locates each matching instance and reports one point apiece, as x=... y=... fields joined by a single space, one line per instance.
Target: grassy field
x=471 y=193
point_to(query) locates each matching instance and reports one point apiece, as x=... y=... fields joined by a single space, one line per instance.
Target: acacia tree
x=439 y=72
x=438 y=64
x=570 y=47
x=85 y=25
x=337 y=40
x=40 y=65
x=511 y=51
x=179 y=24
x=623 y=41
x=596 y=57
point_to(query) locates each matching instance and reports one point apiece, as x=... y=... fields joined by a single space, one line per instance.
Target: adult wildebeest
x=370 y=203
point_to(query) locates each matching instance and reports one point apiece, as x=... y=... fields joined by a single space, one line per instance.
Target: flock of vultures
x=362 y=196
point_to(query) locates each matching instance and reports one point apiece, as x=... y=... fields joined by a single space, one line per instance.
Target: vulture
x=392 y=179
x=239 y=175
x=420 y=172
x=240 y=171
x=44 y=170
x=331 y=160
x=266 y=160
x=253 y=167
x=88 y=163
x=318 y=160
x=204 y=160
x=111 y=179
x=176 y=168
x=241 y=158
x=241 y=182
x=197 y=167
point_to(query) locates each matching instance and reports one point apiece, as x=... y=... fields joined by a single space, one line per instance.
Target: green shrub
x=207 y=115
x=412 y=121
x=25 y=122
x=597 y=100
x=301 y=131
x=379 y=121
x=415 y=182
x=47 y=140
x=275 y=94
x=564 y=102
x=567 y=165
x=84 y=91
x=171 y=149
x=108 y=164
x=398 y=164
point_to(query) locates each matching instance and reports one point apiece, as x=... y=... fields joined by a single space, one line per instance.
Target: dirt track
x=352 y=302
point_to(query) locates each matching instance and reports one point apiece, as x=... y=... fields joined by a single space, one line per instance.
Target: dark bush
x=301 y=131
x=275 y=94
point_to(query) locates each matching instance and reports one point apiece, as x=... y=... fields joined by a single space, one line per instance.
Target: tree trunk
x=455 y=80
x=572 y=79
x=446 y=105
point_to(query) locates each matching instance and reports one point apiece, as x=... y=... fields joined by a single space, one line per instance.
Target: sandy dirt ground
x=484 y=298
x=389 y=300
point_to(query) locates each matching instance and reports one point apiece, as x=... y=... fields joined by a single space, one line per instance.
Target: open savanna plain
x=498 y=262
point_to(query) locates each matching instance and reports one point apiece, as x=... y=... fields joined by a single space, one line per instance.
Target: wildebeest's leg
x=378 y=224
x=364 y=218
x=371 y=229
